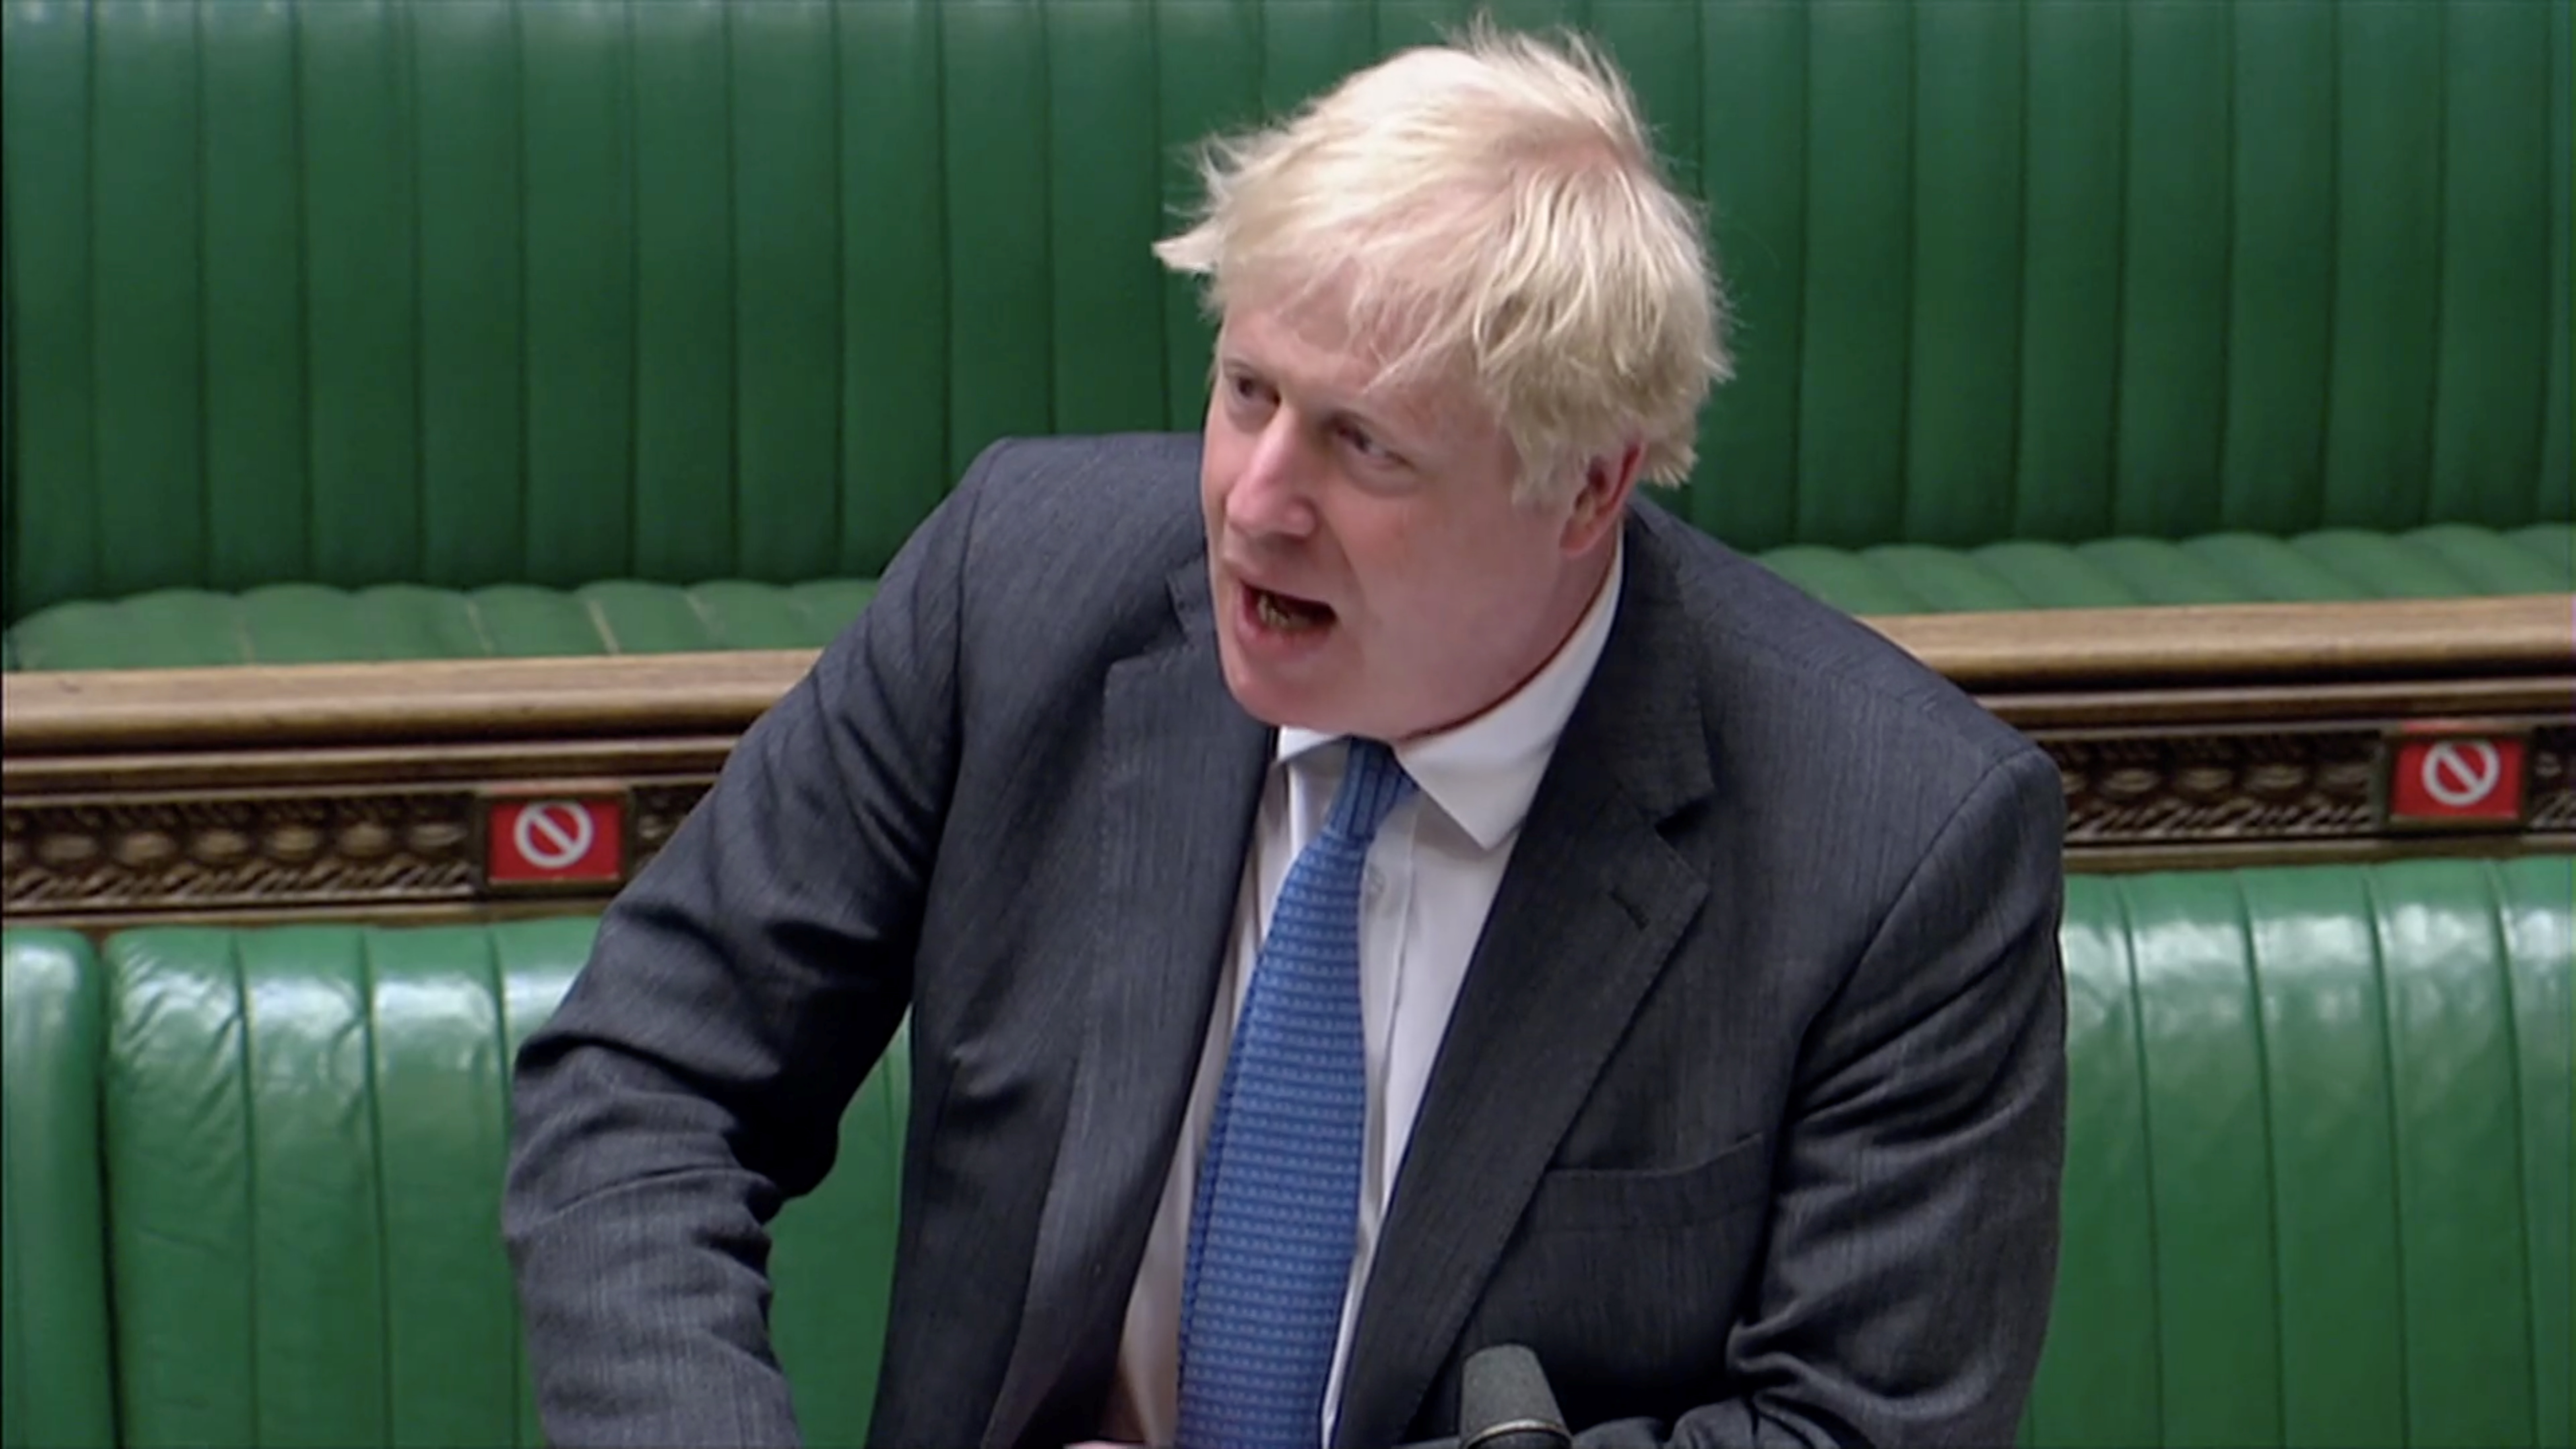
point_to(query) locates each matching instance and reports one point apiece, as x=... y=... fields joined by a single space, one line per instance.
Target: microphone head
x=1504 y=1402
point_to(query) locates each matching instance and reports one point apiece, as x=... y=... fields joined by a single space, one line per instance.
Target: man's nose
x=1270 y=496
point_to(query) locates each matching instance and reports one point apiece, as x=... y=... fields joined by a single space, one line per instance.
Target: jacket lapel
x=1181 y=788
x=1588 y=913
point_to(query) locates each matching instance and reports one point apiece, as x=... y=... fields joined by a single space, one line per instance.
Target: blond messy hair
x=1491 y=211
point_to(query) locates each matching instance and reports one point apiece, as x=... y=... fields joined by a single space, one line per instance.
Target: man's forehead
x=1314 y=349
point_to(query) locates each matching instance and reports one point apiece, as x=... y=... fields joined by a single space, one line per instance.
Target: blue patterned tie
x=1272 y=1229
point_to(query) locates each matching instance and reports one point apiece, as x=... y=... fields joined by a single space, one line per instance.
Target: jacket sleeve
x=740 y=989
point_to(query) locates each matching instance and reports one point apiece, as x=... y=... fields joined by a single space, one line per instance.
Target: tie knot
x=1372 y=784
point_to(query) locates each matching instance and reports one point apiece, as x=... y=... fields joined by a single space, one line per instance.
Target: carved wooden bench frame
x=2187 y=737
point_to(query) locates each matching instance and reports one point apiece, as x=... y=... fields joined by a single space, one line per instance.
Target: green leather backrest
x=2318 y=1159
x=55 y=1364
x=306 y=1132
x=462 y=292
x=2317 y=1190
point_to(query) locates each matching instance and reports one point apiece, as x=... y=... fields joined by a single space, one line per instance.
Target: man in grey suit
x=1364 y=886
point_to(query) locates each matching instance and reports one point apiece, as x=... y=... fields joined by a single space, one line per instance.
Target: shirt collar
x=1484 y=773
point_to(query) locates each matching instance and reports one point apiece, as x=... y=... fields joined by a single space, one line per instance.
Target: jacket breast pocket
x=1589 y=1198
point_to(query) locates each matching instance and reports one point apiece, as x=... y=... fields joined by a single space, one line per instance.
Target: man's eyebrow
x=1236 y=363
x=1383 y=424
x=1380 y=417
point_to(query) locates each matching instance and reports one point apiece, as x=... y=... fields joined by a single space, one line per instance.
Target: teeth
x=1273 y=615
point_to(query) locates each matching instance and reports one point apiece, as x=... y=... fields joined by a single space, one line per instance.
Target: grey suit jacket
x=1749 y=1118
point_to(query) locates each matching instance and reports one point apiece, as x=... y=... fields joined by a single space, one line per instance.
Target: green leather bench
x=2317 y=1181
x=254 y=1181
x=403 y=328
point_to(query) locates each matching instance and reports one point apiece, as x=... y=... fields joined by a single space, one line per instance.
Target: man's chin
x=1282 y=704
x=1273 y=707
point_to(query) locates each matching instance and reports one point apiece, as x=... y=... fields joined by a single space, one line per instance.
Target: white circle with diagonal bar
x=554 y=834
x=2459 y=774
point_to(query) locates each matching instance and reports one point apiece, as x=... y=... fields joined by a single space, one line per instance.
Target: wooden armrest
x=2248 y=644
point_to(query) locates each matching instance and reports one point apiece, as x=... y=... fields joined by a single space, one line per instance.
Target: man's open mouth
x=1286 y=612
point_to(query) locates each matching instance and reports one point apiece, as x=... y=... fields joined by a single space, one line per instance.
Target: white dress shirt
x=1432 y=874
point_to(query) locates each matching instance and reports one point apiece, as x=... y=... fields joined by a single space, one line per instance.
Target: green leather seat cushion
x=303 y=624
x=2317 y=1183
x=310 y=624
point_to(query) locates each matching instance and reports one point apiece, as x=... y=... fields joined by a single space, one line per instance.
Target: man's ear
x=1603 y=497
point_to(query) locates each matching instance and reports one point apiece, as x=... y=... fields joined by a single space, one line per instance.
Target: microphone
x=1504 y=1402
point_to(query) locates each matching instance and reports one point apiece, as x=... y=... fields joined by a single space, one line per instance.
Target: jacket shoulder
x=1813 y=717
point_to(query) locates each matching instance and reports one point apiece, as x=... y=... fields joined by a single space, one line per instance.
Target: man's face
x=1372 y=572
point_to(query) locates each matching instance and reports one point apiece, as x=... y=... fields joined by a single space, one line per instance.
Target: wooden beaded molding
x=468 y=789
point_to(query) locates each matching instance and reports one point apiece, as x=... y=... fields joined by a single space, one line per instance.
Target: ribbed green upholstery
x=2317 y=1183
x=55 y=1368
x=2317 y=1179
x=306 y=1129
x=2443 y=560
x=305 y=623
x=464 y=293
x=309 y=624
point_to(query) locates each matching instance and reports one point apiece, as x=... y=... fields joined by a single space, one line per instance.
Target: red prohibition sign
x=535 y=842
x=553 y=834
x=2462 y=778
x=2462 y=773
